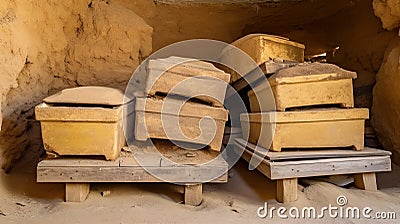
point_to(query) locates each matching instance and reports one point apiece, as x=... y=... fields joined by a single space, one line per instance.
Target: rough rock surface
x=386 y=101
x=389 y=13
x=49 y=45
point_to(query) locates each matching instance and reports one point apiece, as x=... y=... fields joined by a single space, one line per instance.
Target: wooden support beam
x=76 y=192
x=286 y=190
x=193 y=194
x=365 y=181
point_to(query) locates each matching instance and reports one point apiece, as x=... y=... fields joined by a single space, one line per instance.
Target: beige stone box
x=317 y=128
x=152 y=121
x=191 y=78
x=261 y=48
x=292 y=87
x=72 y=126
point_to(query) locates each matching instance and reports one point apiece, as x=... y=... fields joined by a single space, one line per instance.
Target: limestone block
x=197 y=79
x=317 y=128
x=261 y=48
x=150 y=122
x=304 y=85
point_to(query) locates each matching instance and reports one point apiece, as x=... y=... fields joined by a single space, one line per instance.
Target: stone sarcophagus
x=83 y=121
x=316 y=128
x=188 y=78
x=313 y=84
x=260 y=48
x=174 y=119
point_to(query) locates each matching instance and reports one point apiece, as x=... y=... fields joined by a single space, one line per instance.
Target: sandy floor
x=23 y=200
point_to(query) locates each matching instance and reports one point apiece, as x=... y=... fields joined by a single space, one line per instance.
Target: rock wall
x=389 y=13
x=386 y=102
x=49 y=45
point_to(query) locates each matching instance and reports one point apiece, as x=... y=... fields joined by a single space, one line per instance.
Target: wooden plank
x=77 y=162
x=263 y=167
x=193 y=194
x=319 y=167
x=187 y=174
x=366 y=181
x=76 y=192
x=286 y=190
x=310 y=153
x=165 y=153
x=162 y=153
x=335 y=166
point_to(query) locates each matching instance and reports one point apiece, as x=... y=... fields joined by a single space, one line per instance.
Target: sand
x=23 y=200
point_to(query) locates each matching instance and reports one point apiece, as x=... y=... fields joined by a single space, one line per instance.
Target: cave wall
x=386 y=93
x=48 y=45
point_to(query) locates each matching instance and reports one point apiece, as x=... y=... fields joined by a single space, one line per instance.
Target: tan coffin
x=303 y=90
x=261 y=48
x=196 y=77
x=83 y=129
x=148 y=122
x=318 y=128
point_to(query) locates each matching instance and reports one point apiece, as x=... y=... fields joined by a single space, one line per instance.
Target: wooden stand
x=287 y=167
x=174 y=167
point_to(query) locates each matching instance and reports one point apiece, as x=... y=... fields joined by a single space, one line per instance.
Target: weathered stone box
x=262 y=48
x=304 y=85
x=162 y=119
x=317 y=128
x=190 y=78
x=83 y=121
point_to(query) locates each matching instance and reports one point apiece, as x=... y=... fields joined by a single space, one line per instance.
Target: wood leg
x=193 y=194
x=286 y=190
x=76 y=192
x=366 y=181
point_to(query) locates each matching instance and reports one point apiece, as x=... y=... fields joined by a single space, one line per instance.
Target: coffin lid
x=189 y=109
x=88 y=95
x=309 y=115
x=310 y=72
x=269 y=37
x=187 y=67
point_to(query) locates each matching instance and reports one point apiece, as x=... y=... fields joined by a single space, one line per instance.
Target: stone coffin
x=261 y=48
x=304 y=85
x=161 y=119
x=83 y=121
x=194 y=78
x=317 y=128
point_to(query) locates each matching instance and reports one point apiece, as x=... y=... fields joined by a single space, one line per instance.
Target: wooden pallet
x=175 y=166
x=287 y=167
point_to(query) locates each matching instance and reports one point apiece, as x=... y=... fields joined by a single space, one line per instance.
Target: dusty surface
x=310 y=69
x=92 y=95
x=386 y=104
x=22 y=200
